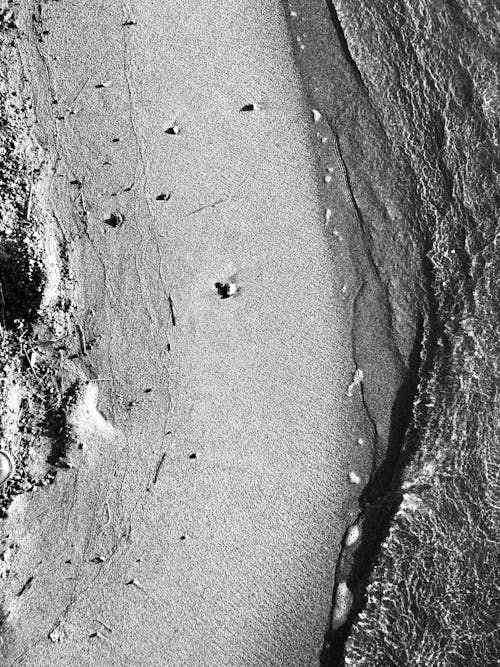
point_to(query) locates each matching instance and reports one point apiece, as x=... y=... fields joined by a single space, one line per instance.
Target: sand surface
x=143 y=554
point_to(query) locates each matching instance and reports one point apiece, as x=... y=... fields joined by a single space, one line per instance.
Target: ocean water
x=430 y=72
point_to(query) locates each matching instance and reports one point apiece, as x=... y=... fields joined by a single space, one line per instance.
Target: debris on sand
x=104 y=84
x=27 y=585
x=130 y=22
x=163 y=196
x=357 y=379
x=6 y=467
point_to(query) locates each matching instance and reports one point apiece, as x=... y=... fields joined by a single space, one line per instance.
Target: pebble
x=316 y=115
x=354 y=478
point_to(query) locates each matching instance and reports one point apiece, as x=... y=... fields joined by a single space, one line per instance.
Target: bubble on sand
x=352 y=535
x=343 y=603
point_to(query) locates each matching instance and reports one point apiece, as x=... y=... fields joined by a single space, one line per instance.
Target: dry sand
x=142 y=553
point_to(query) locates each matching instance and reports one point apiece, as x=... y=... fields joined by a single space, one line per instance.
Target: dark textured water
x=430 y=71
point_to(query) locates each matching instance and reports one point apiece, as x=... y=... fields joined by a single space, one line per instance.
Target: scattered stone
x=194 y=455
x=133 y=582
x=226 y=290
x=56 y=635
x=174 y=129
x=115 y=220
x=251 y=107
x=130 y=22
x=98 y=559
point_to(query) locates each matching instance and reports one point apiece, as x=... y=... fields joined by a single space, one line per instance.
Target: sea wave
x=430 y=72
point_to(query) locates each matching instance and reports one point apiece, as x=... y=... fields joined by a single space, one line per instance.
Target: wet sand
x=203 y=517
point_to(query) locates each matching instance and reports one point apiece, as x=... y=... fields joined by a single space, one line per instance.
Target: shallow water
x=428 y=69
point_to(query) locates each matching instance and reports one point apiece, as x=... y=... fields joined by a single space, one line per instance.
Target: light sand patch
x=85 y=420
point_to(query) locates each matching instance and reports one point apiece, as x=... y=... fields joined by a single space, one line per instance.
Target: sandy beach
x=202 y=514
